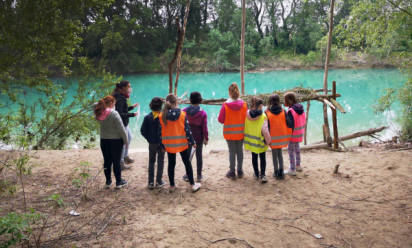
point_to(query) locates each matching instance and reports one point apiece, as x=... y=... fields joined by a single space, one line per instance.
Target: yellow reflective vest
x=254 y=140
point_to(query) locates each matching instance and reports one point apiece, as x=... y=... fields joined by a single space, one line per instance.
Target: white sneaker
x=196 y=187
x=290 y=173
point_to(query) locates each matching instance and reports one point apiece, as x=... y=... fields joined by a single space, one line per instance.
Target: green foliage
x=81 y=179
x=16 y=227
x=378 y=27
x=56 y=200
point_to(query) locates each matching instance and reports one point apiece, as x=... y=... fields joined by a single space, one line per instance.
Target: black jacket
x=122 y=108
x=151 y=129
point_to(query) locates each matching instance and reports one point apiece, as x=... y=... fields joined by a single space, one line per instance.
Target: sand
x=369 y=204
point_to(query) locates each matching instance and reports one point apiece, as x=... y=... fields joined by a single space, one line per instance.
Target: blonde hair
x=103 y=104
x=171 y=101
x=234 y=91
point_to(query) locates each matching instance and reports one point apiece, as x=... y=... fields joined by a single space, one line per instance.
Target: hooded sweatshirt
x=197 y=118
x=111 y=125
x=298 y=109
x=151 y=129
x=253 y=115
x=232 y=104
x=173 y=115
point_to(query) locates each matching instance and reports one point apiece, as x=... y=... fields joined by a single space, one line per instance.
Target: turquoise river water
x=360 y=90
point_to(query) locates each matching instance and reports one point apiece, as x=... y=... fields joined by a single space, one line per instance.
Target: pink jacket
x=232 y=104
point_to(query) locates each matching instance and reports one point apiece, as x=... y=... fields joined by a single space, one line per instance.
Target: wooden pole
x=326 y=136
x=306 y=124
x=179 y=56
x=242 y=48
x=335 y=120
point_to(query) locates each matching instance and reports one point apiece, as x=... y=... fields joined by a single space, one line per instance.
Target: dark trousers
x=262 y=157
x=172 y=164
x=156 y=150
x=112 y=151
x=199 y=157
x=277 y=159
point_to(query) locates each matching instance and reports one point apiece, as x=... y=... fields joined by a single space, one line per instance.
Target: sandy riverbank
x=368 y=205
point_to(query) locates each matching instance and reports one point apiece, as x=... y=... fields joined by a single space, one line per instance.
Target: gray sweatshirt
x=112 y=127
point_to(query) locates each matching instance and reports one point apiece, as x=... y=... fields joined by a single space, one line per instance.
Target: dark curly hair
x=195 y=98
x=156 y=104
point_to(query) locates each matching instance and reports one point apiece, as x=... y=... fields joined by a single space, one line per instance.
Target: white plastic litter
x=318 y=236
x=74 y=213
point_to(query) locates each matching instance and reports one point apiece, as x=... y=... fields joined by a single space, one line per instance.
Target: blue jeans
x=125 y=152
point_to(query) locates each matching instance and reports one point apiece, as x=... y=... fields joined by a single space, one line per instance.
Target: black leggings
x=262 y=157
x=112 y=151
x=172 y=164
x=199 y=159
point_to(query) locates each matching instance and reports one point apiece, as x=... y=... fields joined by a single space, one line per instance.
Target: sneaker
x=290 y=172
x=172 y=189
x=128 y=160
x=256 y=177
x=299 y=168
x=196 y=187
x=231 y=175
x=107 y=185
x=281 y=175
x=121 y=184
x=263 y=179
x=150 y=186
x=160 y=184
x=240 y=174
x=123 y=166
x=199 y=179
x=275 y=174
x=185 y=178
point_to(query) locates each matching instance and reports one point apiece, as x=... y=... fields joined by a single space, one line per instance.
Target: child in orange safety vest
x=233 y=115
x=176 y=138
x=279 y=125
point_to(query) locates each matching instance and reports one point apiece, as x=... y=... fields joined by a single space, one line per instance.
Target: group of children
x=172 y=130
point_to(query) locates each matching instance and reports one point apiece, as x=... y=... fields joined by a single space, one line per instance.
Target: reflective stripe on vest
x=234 y=124
x=174 y=135
x=254 y=140
x=300 y=122
x=279 y=131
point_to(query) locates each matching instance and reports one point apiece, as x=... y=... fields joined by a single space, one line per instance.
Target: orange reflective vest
x=234 y=125
x=280 y=133
x=174 y=134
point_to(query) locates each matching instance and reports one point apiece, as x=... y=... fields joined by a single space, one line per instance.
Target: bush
x=16 y=227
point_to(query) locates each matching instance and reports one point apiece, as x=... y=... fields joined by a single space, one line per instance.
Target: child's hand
x=136 y=114
x=205 y=142
x=135 y=105
x=194 y=146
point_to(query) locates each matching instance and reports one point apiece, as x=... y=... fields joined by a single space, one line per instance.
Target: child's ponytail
x=171 y=101
x=102 y=104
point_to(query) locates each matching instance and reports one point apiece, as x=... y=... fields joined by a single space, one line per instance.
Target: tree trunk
x=335 y=120
x=179 y=55
x=325 y=77
x=242 y=48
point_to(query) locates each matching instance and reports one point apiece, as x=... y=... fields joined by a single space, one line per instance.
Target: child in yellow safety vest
x=256 y=130
x=176 y=138
x=280 y=131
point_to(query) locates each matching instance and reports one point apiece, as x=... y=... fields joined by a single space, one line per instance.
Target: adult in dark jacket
x=121 y=93
x=151 y=131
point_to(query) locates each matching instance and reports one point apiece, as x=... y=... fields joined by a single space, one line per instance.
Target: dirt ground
x=369 y=204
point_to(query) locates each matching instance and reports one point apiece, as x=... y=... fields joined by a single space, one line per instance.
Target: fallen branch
x=233 y=239
x=368 y=132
